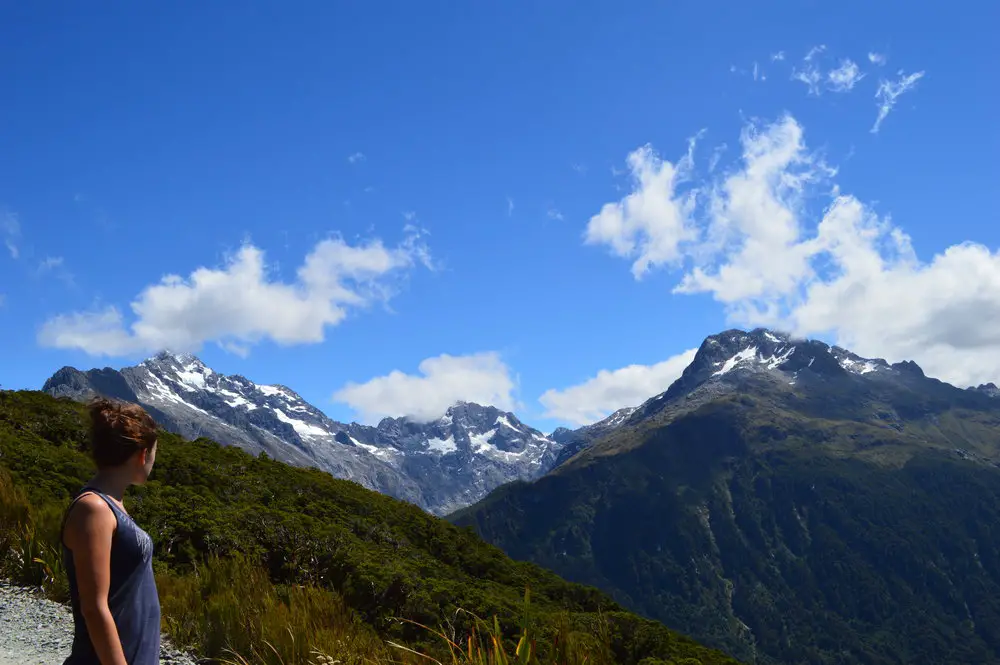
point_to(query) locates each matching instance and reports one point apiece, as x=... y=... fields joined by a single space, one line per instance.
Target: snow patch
x=236 y=400
x=381 y=453
x=191 y=380
x=503 y=422
x=270 y=390
x=746 y=354
x=301 y=428
x=772 y=338
x=778 y=358
x=481 y=442
x=443 y=446
x=858 y=366
x=157 y=388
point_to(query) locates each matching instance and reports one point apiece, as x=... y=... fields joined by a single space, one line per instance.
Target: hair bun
x=117 y=430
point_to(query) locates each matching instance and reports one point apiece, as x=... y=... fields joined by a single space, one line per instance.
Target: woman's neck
x=112 y=482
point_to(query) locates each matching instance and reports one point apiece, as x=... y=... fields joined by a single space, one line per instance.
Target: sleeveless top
x=132 y=597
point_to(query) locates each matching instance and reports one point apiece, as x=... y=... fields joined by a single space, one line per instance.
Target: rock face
x=440 y=466
x=786 y=500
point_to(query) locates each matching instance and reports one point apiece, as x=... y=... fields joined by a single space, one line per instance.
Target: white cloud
x=877 y=58
x=753 y=219
x=443 y=380
x=10 y=226
x=844 y=77
x=778 y=57
x=510 y=206
x=771 y=256
x=55 y=265
x=651 y=222
x=241 y=304
x=553 y=213
x=713 y=161
x=356 y=157
x=756 y=72
x=814 y=51
x=579 y=168
x=610 y=390
x=889 y=91
x=811 y=76
x=50 y=263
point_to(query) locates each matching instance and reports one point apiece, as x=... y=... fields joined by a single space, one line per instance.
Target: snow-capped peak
x=442 y=465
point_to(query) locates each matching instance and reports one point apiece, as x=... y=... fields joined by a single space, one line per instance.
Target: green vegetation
x=260 y=561
x=784 y=535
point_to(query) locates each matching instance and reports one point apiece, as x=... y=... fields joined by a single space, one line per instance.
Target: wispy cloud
x=56 y=266
x=778 y=57
x=756 y=72
x=510 y=206
x=877 y=58
x=713 y=161
x=554 y=213
x=889 y=91
x=369 y=189
x=10 y=227
x=356 y=157
x=809 y=75
x=50 y=263
x=814 y=51
x=844 y=77
x=579 y=168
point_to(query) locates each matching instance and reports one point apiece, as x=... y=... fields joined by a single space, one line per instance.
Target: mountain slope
x=788 y=501
x=310 y=534
x=440 y=466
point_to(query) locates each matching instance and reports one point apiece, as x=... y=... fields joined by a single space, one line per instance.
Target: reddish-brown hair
x=117 y=430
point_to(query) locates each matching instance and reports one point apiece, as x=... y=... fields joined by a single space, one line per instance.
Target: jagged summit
x=442 y=465
x=760 y=360
x=988 y=389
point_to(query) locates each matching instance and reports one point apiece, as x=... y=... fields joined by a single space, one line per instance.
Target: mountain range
x=440 y=466
x=785 y=500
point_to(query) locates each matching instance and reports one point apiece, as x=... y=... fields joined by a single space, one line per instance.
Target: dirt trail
x=37 y=631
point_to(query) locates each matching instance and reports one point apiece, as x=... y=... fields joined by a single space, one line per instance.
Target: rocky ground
x=37 y=631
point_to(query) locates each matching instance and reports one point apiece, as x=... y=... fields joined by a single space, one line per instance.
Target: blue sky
x=367 y=187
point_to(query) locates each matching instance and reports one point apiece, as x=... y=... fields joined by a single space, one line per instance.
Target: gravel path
x=37 y=631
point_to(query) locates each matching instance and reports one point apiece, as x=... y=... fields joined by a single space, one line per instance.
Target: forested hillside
x=250 y=550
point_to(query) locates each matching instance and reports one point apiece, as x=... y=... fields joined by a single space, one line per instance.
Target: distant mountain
x=440 y=466
x=789 y=501
x=576 y=440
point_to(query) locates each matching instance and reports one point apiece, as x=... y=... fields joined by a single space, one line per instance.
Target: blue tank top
x=132 y=596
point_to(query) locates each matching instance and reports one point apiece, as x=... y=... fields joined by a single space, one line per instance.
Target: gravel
x=37 y=631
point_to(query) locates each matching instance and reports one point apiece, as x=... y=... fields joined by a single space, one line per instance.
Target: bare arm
x=89 y=529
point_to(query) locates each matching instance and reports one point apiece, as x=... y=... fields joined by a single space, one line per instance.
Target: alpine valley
x=784 y=500
x=787 y=501
x=440 y=466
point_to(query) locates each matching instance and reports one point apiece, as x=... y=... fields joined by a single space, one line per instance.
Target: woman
x=109 y=559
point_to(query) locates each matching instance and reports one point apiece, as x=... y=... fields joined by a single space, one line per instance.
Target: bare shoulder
x=89 y=517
